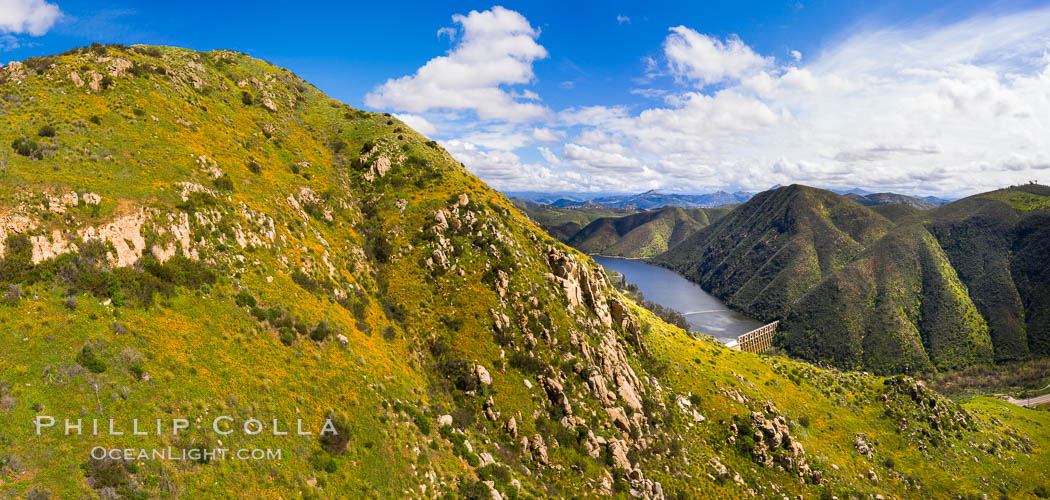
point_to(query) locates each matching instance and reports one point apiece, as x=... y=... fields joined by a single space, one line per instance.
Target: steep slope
x=644 y=234
x=192 y=235
x=998 y=242
x=897 y=307
x=767 y=253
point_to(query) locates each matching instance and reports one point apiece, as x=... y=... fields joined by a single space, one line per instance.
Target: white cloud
x=495 y=48
x=923 y=109
x=418 y=123
x=544 y=134
x=602 y=161
x=32 y=17
x=951 y=109
x=708 y=60
x=620 y=19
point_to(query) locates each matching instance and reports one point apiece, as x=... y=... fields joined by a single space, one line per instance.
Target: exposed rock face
x=15 y=71
x=556 y=394
x=75 y=78
x=444 y=421
x=618 y=452
x=862 y=446
x=773 y=440
x=539 y=450
x=118 y=67
x=580 y=283
x=511 y=427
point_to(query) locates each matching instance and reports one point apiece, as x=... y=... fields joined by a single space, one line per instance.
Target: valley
x=188 y=234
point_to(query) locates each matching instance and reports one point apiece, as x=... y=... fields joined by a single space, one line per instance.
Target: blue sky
x=627 y=96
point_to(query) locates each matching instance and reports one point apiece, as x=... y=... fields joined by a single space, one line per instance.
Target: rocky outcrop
x=581 y=284
x=775 y=445
x=860 y=443
x=556 y=394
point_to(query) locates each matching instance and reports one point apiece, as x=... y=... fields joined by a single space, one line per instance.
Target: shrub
x=381 y=248
x=287 y=336
x=335 y=443
x=246 y=98
x=528 y=364
x=71 y=302
x=97 y=120
x=46 y=131
x=89 y=360
x=1042 y=491
x=321 y=331
x=13 y=295
x=28 y=148
x=254 y=167
x=338 y=145
x=18 y=258
x=389 y=333
x=224 y=183
x=302 y=279
x=107 y=82
x=245 y=299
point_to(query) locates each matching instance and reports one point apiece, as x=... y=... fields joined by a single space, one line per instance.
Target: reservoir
x=705 y=313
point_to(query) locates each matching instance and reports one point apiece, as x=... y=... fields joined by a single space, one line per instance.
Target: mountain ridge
x=192 y=234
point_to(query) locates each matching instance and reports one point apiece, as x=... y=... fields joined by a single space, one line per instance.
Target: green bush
x=46 y=131
x=321 y=331
x=244 y=298
x=254 y=167
x=88 y=359
x=246 y=98
x=287 y=336
x=28 y=148
x=224 y=183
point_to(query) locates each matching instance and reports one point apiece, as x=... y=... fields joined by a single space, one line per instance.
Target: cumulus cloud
x=620 y=19
x=31 y=17
x=418 y=123
x=493 y=49
x=948 y=109
x=708 y=60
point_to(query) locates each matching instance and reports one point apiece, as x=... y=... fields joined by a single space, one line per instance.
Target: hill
x=947 y=287
x=890 y=198
x=767 y=253
x=202 y=236
x=645 y=234
x=563 y=223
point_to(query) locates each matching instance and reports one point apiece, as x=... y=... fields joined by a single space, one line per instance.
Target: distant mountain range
x=874 y=199
x=657 y=199
x=654 y=199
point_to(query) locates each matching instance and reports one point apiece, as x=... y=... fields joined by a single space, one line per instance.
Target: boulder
x=483 y=375
x=444 y=421
x=539 y=450
x=618 y=451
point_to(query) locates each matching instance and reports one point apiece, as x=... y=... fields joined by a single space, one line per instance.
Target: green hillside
x=943 y=288
x=766 y=254
x=645 y=234
x=563 y=223
x=189 y=235
x=898 y=307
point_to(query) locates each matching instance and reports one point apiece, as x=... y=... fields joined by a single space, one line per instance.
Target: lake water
x=705 y=313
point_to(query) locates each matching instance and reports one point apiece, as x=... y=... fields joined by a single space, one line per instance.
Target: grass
x=199 y=351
